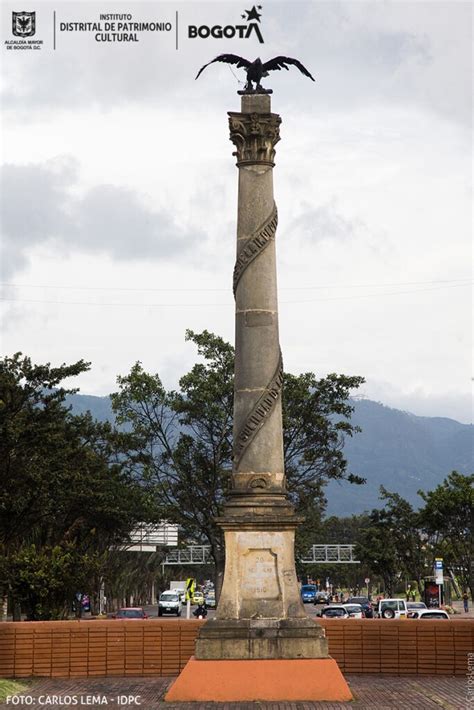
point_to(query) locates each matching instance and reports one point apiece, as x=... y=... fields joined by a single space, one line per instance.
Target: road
x=311 y=610
x=152 y=611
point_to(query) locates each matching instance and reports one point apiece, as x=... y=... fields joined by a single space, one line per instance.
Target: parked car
x=415 y=606
x=355 y=610
x=131 y=612
x=429 y=614
x=210 y=600
x=198 y=598
x=335 y=611
x=365 y=604
x=308 y=593
x=391 y=609
x=169 y=603
x=321 y=598
x=181 y=593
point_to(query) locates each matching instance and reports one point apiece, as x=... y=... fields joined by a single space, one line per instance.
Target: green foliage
x=127 y=572
x=343 y=531
x=377 y=548
x=391 y=544
x=448 y=519
x=186 y=437
x=45 y=580
x=400 y=541
x=335 y=531
x=68 y=491
x=316 y=416
x=11 y=687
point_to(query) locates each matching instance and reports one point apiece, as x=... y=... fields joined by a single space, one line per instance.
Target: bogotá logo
x=23 y=24
x=252 y=18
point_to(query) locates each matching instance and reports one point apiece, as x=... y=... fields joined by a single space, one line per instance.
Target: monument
x=261 y=645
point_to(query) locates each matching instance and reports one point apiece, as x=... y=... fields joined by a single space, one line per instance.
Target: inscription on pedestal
x=259 y=575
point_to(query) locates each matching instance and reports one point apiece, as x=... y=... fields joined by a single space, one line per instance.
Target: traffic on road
x=188 y=599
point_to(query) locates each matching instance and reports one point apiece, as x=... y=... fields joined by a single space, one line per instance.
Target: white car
x=354 y=610
x=181 y=593
x=415 y=606
x=429 y=614
x=169 y=603
x=391 y=609
x=335 y=611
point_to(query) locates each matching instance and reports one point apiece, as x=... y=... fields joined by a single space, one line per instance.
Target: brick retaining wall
x=67 y=649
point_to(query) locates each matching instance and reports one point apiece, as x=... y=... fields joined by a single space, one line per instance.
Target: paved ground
x=374 y=692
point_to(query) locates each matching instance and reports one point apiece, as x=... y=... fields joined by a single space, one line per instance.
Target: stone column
x=260 y=614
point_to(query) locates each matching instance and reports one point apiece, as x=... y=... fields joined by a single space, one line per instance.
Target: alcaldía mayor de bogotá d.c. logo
x=23 y=24
x=252 y=17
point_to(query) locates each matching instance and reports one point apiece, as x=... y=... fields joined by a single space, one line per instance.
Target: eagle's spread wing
x=230 y=59
x=278 y=63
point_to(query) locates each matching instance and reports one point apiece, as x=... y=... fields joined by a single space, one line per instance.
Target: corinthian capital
x=255 y=136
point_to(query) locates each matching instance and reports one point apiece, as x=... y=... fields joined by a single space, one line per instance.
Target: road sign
x=190 y=587
x=438 y=570
x=367 y=580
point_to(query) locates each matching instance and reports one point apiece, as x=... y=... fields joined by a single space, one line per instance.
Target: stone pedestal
x=260 y=613
x=253 y=681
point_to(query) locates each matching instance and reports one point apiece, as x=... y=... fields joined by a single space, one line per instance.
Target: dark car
x=308 y=593
x=365 y=604
x=130 y=613
x=321 y=598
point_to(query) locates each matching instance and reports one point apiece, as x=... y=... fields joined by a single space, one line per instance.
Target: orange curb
x=227 y=681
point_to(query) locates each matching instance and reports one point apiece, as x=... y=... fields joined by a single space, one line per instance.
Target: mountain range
x=396 y=449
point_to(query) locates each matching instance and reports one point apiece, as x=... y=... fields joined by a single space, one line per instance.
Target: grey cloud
x=114 y=219
x=359 y=52
x=325 y=223
x=33 y=199
x=41 y=207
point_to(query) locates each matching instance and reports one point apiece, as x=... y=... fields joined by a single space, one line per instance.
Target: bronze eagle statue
x=257 y=70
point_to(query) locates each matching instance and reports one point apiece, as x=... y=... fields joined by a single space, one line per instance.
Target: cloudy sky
x=119 y=192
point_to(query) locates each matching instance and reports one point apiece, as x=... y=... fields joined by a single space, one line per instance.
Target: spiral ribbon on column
x=255 y=245
x=255 y=420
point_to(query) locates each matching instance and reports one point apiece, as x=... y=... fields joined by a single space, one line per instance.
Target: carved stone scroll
x=255 y=245
x=260 y=413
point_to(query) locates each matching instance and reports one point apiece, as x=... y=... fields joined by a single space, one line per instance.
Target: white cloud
x=372 y=183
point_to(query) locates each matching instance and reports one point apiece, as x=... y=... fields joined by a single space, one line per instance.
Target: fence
x=66 y=649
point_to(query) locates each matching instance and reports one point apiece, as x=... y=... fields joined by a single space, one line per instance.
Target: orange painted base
x=226 y=681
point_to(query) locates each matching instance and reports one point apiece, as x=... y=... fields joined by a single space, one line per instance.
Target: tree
x=377 y=549
x=338 y=531
x=448 y=518
x=392 y=544
x=44 y=580
x=186 y=438
x=126 y=573
x=67 y=494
